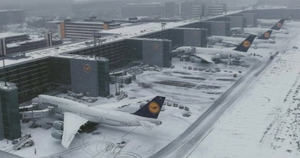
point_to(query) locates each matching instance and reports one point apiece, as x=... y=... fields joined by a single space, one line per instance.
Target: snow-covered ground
x=265 y=121
x=199 y=88
x=192 y=85
x=188 y=84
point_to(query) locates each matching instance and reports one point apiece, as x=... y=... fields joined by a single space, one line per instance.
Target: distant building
x=84 y=29
x=15 y=42
x=171 y=9
x=214 y=9
x=192 y=9
x=11 y=37
x=12 y=17
x=143 y=9
x=293 y=4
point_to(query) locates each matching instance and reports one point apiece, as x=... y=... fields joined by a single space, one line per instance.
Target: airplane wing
x=204 y=57
x=72 y=123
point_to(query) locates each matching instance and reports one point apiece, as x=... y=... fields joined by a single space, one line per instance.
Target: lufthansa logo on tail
x=87 y=68
x=154 y=108
x=279 y=25
x=247 y=44
x=267 y=35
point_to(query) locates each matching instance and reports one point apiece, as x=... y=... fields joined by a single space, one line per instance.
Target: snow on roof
x=10 y=34
x=85 y=22
x=53 y=51
x=122 y=33
x=145 y=28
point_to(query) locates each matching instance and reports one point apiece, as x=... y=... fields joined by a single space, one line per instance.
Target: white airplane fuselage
x=237 y=40
x=213 y=52
x=255 y=30
x=103 y=116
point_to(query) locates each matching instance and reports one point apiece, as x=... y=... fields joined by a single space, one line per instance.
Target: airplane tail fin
x=266 y=35
x=278 y=25
x=151 y=109
x=246 y=44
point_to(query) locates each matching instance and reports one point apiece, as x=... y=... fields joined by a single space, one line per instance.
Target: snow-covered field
x=265 y=121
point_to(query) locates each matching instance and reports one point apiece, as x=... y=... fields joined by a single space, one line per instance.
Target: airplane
x=210 y=55
x=276 y=27
x=233 y=41
x=78 y=114
x=266 y=22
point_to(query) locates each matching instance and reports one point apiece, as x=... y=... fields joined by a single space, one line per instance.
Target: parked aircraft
x=77 y=114
x=211 y=55
x=276 y=27
x=233 y=41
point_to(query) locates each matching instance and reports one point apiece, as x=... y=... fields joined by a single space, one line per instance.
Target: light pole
x=3 y=62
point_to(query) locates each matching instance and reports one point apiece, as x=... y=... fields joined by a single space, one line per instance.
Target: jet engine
x=57 y=134
x=58 y=125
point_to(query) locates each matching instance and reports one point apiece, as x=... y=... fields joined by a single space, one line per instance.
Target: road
x=185 y=143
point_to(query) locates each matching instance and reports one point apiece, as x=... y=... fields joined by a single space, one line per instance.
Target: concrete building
x=237 y=21
x=171 y=9
x=15 y=16
x=214 y=9
x=21 y=47
x=1 y=125
x=3 y=48
x=83 y=29
x=251 y=19
x=90 y=76
x=218 y=28
x=151 y=51
x=196 y=37
x=49 y=39
x=191 y=9
x=14 y=43
x=11 y=37
x=9 y=110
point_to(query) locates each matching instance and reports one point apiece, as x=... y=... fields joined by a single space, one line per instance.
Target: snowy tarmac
x=264 y=121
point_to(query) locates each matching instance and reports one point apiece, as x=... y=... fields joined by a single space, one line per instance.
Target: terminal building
x=19 y=43
x=84 y=29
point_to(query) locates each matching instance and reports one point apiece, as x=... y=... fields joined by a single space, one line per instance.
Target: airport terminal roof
x=10 y=34
x=123 y=33
x=120 y=34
